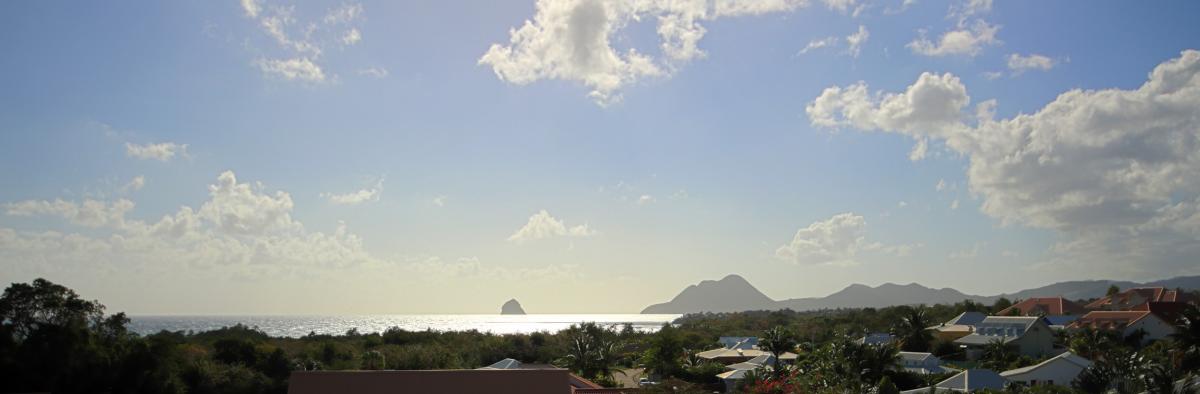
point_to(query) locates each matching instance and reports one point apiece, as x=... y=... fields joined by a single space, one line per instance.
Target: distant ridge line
x=734 y=293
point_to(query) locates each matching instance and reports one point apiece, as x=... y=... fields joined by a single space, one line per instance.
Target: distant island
x=734 y=294
x=512 y=307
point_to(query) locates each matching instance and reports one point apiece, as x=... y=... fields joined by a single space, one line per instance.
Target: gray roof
x=941 y=369
x=967 y=319
x=507 y=363
x=967 y=381
x=915 y=356
x=876 y=338
x=977 y=339
x=1067 y=357
x=738 y=342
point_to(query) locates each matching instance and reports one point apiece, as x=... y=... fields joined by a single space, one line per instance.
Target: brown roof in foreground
x=504 y=381
x=1045 y=306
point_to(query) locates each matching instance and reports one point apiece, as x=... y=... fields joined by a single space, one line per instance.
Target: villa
x=958 y=327
x=1030 y=335
x=923 y=363
x=1127 y=323
x=1060 y=370
x=1129 y=299
x=965 y=382
x=1044 y=306
x=877 y=338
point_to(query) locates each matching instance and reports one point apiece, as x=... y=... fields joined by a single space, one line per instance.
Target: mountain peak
x=512 y=307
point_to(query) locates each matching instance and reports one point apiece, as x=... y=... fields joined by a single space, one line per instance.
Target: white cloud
x=351 y=37
x=855 y=41
x=1019 y=64
x=965 y=9
x=302 y=45
x=251 y=7
x=902 y=204
x=845 y=6
x=941 y=185
x=164 y=151
x=993 y=75
x=954 y=204
x=573 y=41
x=439 y=201
x=364 y=195
x=90 y=213
x=1112 y=171
x=541 y=226
x=645 y=199
x=835 y=241
x=134 y=184
x=830 y=41
x=963 y=40
x=966 y=254
x=301 y=69
x=375 y=72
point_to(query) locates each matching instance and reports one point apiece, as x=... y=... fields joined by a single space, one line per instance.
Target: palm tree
x=591 y=350
x=876 y=360
x=778 y=341
x=912 y=330
x=1187 y=340
x=1090 y=344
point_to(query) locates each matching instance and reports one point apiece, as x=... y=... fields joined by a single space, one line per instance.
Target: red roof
x=1045 y=306
x=1136 y=296
x=1109 y=320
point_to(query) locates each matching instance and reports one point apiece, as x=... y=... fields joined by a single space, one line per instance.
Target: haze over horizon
x=360 y=157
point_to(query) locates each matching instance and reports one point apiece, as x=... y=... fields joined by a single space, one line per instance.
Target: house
x=1044 y=306
x=967 y=381
x=1030 y=335
x=737 y=372
x=958 y=327
x=738 y=342
x=1128 y=299
x=1059 y=370
x=740 y=349
x=876 y=338
x=923 y=363
x=1127 y=323
x=514 y=381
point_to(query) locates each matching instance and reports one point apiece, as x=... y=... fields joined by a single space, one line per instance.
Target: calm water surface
x=296 y=326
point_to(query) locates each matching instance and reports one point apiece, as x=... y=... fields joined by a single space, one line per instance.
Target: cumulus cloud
x=358 y=197
x=835 y=241
x=573 y=41
x=964 y=40
x=1018 y=63
x=90 y=213
x=302 y=45
x=1113 y=171
x=164 y=151
x=645 y=199
x=541 y=226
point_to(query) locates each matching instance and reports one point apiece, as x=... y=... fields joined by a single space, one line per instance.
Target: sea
x=298 y=326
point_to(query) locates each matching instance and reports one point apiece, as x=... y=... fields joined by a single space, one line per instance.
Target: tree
x=662 y=357
x=1112 y=290
x=1186 y=340
x=998 y=355
x=1001 y=304
x=887 y=387
x=912 y=330
x=591 y=351
x=777 y=340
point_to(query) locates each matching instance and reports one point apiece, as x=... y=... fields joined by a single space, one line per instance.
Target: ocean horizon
x=295 y=326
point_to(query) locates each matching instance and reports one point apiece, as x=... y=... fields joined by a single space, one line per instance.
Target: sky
x=347 y=157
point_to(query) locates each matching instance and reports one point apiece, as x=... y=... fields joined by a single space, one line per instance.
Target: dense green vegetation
x=53 y=340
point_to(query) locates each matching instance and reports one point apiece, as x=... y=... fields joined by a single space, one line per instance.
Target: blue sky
x=408 y=174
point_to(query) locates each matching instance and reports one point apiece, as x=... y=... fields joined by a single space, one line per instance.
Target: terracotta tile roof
x=1109 y=320
x=1045 y=306
x=1135 y=296
x=1168 y=311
